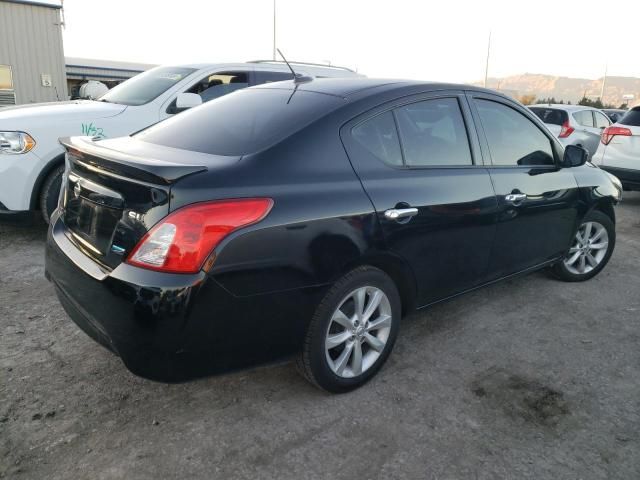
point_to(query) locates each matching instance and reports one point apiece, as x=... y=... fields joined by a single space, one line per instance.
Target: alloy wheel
x=358 y=331
x=588 y=250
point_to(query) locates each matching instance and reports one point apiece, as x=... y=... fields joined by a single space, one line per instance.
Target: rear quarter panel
x=321 y=222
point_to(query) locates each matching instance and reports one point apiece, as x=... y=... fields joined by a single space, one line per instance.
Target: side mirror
x=184 y=101
x=574 y=156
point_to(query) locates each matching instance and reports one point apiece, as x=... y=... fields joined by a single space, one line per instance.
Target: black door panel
x=540 y=226
x=537 y=201
x=448 y=241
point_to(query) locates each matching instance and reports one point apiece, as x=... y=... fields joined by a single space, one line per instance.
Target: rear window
x=246 y=121
x=631 y=118
x=551 y=116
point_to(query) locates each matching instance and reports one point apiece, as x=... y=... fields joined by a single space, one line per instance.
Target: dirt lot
x=532 y=378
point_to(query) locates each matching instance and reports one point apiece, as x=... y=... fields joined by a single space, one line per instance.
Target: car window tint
x=513 y=138
x=552 y=116
x=380 y=137
x=244 y=122
x=631 y=118
x=601 y=120
x=432 y=132
x=268 y=77
x=584 y=118
x=220 y=84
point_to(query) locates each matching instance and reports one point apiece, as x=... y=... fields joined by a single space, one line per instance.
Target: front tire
x=590 y=250
x=352 y=331
x=50 y=193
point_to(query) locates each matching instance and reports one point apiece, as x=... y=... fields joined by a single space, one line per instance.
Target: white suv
x=32 y=160
x=619 y=150
x=574 y=124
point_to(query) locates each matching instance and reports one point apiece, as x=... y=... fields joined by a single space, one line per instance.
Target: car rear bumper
x=171 y=327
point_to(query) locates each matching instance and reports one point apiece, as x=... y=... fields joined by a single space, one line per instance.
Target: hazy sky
x=429 y=40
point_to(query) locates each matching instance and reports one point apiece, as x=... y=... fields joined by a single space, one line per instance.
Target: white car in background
x=573 y=124
x=32 y=159
x=619 y=150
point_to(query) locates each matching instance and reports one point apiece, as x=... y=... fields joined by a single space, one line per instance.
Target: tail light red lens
x=566 y=130
x=610 y=132
x=182 y=242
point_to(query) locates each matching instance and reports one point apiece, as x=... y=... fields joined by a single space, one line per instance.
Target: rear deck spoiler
x=140 y=167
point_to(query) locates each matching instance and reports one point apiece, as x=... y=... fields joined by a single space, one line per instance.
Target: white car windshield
x=146 y=86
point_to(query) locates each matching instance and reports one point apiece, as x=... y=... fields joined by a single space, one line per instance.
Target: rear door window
x=379 y=136
x=514 y=140
x=551 y=116
x=268 y=77
x=584 y=118
x=601 y=120
x=220 y=84
x=433 y=133
x=631 y=118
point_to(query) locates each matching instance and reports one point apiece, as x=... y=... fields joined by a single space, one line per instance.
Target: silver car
x=574 y=124
x=619 y=150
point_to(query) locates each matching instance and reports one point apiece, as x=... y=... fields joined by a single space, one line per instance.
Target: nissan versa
x=306 y=217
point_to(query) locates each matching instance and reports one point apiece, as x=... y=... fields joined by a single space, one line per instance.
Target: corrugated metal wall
x=78 y=72
x=31 y=43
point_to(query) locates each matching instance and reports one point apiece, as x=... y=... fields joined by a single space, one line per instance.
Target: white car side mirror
x=187 y=100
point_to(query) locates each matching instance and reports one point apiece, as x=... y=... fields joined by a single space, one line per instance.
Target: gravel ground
x=531 y=378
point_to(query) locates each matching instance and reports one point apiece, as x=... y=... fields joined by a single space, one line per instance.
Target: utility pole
x=486 y=68
x=604 y=82
x=274 y=29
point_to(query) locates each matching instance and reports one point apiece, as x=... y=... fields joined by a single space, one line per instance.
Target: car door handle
x=515 y=198
x=397 y=213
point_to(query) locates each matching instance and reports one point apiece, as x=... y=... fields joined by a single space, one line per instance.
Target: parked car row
x=619 y=150
x=613 y=141
x=574 y=124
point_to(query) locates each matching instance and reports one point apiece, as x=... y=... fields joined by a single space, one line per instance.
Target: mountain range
x=567 y=88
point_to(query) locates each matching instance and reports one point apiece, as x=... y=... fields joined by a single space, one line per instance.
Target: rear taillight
x=610 y=132
x=182 y=242
x=566 y=130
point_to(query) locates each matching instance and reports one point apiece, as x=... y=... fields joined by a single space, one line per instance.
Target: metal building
x=111 y=73
x=31 y=53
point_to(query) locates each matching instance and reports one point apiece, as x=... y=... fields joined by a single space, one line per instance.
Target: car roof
x=268 y=65
x=348 y=86
x=562 y=106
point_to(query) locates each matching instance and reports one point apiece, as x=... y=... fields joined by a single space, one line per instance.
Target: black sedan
x=307 y=217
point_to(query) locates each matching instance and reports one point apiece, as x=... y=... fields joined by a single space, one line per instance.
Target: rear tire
x=590 y=250
x=352 y=331
x=50 y=193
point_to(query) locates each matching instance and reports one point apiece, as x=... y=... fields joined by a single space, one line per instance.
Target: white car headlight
x=16 y=142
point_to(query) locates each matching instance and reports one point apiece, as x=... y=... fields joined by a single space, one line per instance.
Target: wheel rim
x=358 y=332
x=589 y=247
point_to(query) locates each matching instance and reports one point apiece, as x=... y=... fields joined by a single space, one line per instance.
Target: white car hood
x=23 y=116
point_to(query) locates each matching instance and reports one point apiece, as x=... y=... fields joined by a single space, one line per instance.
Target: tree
x=550 y=100
x=597 y=103
x=526 y=99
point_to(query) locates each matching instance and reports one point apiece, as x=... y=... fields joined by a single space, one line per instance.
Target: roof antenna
x=297 y=77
